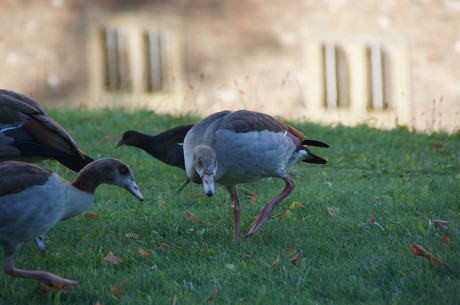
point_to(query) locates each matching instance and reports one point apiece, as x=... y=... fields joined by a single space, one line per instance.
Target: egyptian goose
x=166 y=146
x=27 y=133
x=32 y=200
x=230 y=148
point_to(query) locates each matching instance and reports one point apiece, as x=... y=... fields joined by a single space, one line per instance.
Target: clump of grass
x=400 y=178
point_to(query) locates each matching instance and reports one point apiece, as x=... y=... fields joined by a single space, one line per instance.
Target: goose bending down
x=32 y=200
x=166 y=146
x=27 y=133
x=230 y=148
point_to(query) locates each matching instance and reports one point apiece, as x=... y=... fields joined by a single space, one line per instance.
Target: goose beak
x=133 y=189
x=208 y=184
x=119 y=143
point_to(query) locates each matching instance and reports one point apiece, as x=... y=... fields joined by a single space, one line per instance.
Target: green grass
x=397 y=175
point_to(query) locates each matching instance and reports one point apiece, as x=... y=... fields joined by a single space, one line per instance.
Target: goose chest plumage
x=33 y=200
x=233 y=147
x=28 y=133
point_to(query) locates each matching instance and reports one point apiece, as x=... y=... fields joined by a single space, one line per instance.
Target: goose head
x=107 y=171
x=205 y=163
x=129 y=138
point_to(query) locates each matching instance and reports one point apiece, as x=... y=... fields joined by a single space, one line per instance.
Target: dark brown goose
x=166 y=146
x=28 y=134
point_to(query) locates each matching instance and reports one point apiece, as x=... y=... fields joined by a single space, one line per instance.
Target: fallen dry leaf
x=46 y=289
x=213 y=295
x=445 y=239
x=195 y=196
x=371 y=219
x=174 y=300
x=253 y=199
x=420 y=251
x=91 y=215
x=190 y=216
x=115 y=291
x=282 y=214
x=290 y=250
x=110 y=258
x=277 y=260
x=164 y=247
x=436 y=145
x=132 y=235
x=296 y=260
x=98 y=302
x=143 y=252
x=442 y=225
x=247 y=257
x=331 y=212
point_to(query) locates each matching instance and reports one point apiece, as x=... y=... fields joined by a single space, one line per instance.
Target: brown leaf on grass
x=44 y=290
x=331 y=212
x=213 y=295
x=371 y=218
x=420 y=251
x=164 y=247
x=249 y=195
x=98 y=302
x=110 y=258
x=109 y=138
x=91 y=215
x=445 y=239
x=47 y=289
x=174 y=300
x=115 y=291
x=282 y=214
x=195 y=196
x=132 y=235
x=277 y=260
x=442 y=225
x=143 y=252
x=371 y=221
x=436 y=145
x=296 y=260
x=190 y=216
x=290 y=250
x=247 y=257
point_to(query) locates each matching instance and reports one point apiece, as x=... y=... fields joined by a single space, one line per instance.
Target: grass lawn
x=345 y=238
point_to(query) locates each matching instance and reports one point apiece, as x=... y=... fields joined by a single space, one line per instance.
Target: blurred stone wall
x=241 y=53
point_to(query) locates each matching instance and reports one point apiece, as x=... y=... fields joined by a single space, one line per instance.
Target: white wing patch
x=10 y=127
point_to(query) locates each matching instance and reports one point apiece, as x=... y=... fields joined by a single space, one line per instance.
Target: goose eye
x=200 y=162
x=123 y=170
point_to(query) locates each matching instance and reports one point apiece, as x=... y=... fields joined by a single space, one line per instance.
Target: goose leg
x=236 y=205
x=41 y=276
x=268 y=208
x=183 y=185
